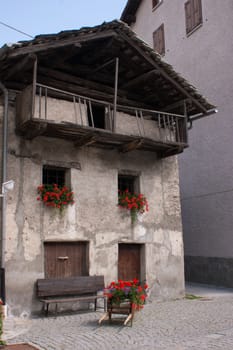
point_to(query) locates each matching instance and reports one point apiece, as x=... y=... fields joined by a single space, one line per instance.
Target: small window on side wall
x=156 y=3
x=193 y=15
x=128 y=182
x=159 y=40
x=54 y=175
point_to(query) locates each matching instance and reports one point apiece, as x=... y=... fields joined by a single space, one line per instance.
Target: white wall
x=205 y=59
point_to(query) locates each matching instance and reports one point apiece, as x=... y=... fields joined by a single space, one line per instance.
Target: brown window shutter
x=162 y=40
x=193 y=14
x=197 y=12
x=188 y=16
x=159 y=40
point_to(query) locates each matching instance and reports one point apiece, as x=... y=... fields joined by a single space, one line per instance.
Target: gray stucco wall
x=205 y=59
x=95 y=216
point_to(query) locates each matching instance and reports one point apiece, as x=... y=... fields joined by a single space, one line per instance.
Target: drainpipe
x=3 y=179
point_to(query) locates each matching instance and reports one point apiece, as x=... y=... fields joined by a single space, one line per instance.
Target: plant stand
x=124 y=308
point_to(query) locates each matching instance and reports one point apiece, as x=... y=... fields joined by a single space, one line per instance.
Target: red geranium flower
x=55 y=196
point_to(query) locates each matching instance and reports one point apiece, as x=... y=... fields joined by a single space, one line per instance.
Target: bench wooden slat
x=69 y=286
x=64 y=300
x=70 y=289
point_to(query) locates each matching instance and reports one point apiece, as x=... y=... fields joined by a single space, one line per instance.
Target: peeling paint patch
x=31 y=242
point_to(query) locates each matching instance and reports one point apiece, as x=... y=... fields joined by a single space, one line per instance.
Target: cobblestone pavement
x=205 y=323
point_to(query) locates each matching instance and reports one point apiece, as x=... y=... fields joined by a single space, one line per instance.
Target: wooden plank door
x=129 y=261
x=66 y=259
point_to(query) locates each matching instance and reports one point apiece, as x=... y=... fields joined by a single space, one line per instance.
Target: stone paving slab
x=173 y=325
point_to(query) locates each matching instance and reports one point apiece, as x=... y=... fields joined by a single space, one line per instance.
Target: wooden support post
x=85 y=141
x=34 y=86
x=130 y=146
x=115 y=94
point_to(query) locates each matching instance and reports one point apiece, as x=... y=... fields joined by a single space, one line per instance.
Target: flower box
x=124 y=298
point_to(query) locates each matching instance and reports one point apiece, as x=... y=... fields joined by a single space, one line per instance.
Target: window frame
x=56 y=168
x=192 y=23
x=157 y=32
x=135 y=182
x=155 y=6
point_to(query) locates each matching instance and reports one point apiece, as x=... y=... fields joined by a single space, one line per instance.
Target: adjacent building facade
x=86 y=109
x=195 y=37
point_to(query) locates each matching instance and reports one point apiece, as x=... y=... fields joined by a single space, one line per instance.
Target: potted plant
x=135 y=203
x=125 y=297
x=55 y=196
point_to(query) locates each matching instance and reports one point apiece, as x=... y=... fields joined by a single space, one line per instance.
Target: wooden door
x=129 y=261
x=66 y=259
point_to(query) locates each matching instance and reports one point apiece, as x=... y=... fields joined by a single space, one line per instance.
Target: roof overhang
x=129 y=13
x=83 y=61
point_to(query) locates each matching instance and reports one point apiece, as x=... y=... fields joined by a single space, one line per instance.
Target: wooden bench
x=73 y=289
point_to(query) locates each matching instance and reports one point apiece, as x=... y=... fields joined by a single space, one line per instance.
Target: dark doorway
x=96 y=116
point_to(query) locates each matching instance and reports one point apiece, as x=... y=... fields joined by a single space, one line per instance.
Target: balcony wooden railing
x=54 y=112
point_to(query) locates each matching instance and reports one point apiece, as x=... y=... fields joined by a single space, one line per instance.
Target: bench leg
x=47 y=309
x=105 y=304
x=95 y=304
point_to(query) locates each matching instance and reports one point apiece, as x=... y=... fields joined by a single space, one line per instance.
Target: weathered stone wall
x=95 y=216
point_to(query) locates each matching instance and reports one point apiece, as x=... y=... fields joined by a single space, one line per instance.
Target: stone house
x=97 y=110
x=201 y=50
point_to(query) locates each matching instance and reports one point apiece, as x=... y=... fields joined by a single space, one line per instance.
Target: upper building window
x=193 y=15
x=54 y=175
x=156 y=3
x=158 y=40
x=128 y=182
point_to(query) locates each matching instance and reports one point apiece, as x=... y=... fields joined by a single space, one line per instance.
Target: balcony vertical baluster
x=91 y=113
x=40 y=96
x=75 y=110
x=142 y=122
x=139 y=129
x=80 y=109
x=45 y=104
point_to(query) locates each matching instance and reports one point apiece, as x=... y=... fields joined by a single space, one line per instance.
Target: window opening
x=96 y=115
x=128 y=182
x=54 y=175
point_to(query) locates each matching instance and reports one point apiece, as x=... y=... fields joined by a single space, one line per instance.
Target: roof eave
x=129 y=12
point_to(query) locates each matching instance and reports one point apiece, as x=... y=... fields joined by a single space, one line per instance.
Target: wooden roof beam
x=163 y=73
x=131 y=146
x=138 y=79
x=86 y=140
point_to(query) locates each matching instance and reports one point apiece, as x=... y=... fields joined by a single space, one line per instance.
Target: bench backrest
x=69 y=286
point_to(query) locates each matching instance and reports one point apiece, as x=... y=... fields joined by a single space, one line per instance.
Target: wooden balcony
x=51 y=112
